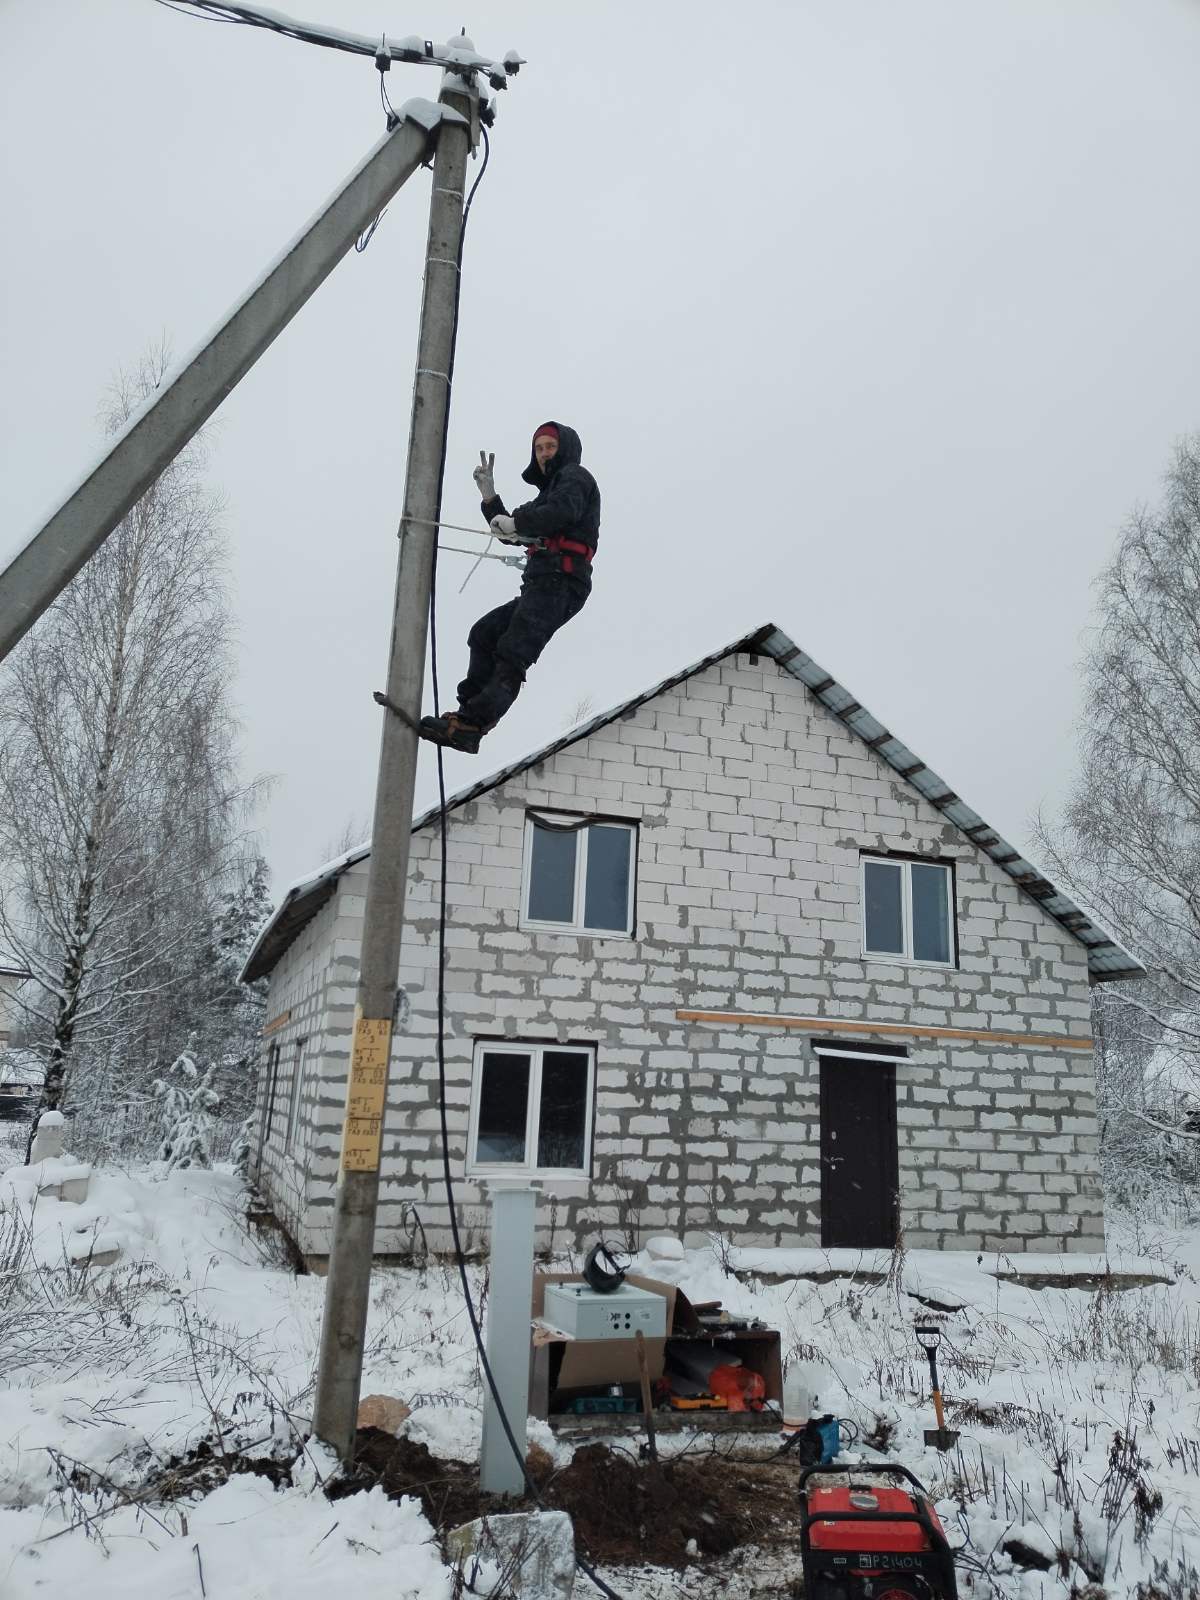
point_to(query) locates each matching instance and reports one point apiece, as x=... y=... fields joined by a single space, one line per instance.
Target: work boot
x=451 y=730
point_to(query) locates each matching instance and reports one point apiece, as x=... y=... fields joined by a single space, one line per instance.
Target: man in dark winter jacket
x=560 y=530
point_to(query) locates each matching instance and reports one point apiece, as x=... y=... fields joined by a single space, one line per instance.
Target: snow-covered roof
x=1107 y=960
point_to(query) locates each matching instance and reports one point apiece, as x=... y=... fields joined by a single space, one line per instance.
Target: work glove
x=484 y=481
x=505 y=530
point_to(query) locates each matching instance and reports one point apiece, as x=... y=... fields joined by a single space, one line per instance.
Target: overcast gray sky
x=875 y=317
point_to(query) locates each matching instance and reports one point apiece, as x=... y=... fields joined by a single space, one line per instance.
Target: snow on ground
x=246 y=1539
x=118 y=1371
x=114 y=1373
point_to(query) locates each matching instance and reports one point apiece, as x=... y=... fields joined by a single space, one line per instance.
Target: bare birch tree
x=120 y=804
x=1129 y=841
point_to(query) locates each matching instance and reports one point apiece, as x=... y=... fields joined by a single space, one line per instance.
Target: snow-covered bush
x=242 y=1149
x=189 y=1105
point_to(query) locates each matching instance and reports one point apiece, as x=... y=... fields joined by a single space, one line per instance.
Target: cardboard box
x=561 y=1366
x=759 y=1350
x=591 y=1363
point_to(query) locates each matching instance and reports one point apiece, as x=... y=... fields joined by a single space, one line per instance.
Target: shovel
x=929 y=1337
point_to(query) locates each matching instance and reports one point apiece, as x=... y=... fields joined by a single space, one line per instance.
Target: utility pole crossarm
x=189 y=395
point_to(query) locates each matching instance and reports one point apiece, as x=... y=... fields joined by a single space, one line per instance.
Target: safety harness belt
x=558 y=546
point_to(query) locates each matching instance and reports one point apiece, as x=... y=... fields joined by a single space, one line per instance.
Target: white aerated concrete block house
x=729 y=956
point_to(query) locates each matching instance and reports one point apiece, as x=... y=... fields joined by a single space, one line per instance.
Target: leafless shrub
x=897 y=1261
x=1004 y=1417
x=1184 y=1454
x=1132 y=1329
x=1178 y=1582
x=1083 y=1518
x=1126 y=1488
x=722 y=1248
x=628 y=1196
x=67 y=1316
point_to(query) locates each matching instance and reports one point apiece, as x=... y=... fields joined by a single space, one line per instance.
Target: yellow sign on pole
x=362 y=1136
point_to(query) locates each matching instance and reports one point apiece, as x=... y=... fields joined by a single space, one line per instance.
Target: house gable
x=1106 y=959
x=755 y=804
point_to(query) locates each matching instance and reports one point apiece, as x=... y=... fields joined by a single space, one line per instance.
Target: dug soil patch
x=448 y=1490
x=630 y=1512
x=626 y=1512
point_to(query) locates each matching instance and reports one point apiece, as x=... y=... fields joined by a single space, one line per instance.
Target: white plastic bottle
x=799 y=1395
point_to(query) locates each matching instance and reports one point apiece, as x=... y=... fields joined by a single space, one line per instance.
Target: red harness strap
x=557 y=545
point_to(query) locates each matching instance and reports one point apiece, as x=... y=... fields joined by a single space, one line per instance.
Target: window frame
x=906 y=957
x=266 y=1128
x=576 y=925
x=535 y=1049
x=295 y=1094
x=271 y=1087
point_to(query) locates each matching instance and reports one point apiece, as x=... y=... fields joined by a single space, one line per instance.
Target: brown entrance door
x=858 y=1153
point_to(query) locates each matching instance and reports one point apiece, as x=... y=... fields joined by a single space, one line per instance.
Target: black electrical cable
x=368 y=233
x=448 y=1179
x=196 y=16
x=213 y=11
x=562 y=827
x=392 y=117
x=248 y=16
x=389 y=110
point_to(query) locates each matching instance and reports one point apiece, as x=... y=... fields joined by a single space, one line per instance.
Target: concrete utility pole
x=151 y=440
x=339 y=1372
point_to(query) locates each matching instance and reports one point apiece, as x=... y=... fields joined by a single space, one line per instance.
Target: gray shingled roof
x=1107 y=960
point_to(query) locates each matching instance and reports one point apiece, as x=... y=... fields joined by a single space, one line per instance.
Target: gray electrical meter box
x=577 y=1309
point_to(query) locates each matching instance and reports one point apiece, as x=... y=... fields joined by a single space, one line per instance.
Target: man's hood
x=570 y=454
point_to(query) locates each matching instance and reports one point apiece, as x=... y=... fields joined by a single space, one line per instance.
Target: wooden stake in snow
x=647 y=1406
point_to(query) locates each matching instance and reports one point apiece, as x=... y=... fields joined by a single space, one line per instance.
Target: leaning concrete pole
x=339 y=1372
x=188 y=395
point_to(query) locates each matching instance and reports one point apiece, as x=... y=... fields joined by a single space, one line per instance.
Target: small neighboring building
x=729 y=957
x=11 y=979
x=22 y=1074
x=21 y=1071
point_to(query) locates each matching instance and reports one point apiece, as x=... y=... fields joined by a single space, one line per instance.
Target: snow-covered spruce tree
x=188 y=1104
x=1129 y=838
x=120 y=805
x=228 y=1015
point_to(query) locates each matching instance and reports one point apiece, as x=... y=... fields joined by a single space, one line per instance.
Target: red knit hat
x=546 y=431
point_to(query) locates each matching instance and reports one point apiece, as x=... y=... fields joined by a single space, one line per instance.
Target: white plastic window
x=908 y=911
x=579 y=875
x=531 y=1110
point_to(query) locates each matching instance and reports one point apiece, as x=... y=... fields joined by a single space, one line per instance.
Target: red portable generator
x=866 y=1539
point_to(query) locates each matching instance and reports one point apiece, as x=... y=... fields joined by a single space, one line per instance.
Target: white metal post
x=510 y=1297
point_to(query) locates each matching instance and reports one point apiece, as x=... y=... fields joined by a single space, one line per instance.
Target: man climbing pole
x=560 y=529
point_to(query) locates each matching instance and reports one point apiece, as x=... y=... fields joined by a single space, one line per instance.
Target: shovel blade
x=941 y=1438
